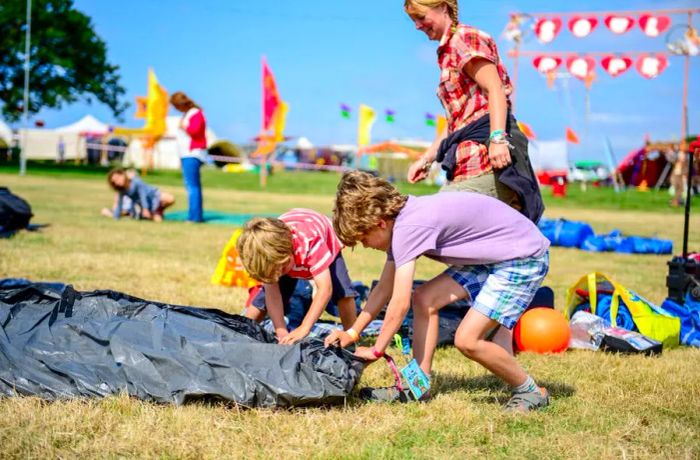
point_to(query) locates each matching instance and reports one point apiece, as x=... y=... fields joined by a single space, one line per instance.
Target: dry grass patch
x=604 y=406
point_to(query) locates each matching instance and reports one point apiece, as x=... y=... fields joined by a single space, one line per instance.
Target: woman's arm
x=485 y=74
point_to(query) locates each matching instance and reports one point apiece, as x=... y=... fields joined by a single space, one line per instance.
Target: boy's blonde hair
x=264 y=246
x=414 y=7
x=361 y=202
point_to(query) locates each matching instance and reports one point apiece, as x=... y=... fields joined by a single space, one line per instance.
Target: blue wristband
x=497 y=133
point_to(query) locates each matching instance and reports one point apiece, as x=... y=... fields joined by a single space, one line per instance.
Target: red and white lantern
x=651 y=65
x=582 y=27
x=547 y=29
x=616 y=65
x=619 y=24
x=653 y=26
x=546 y=64
x=580 y=67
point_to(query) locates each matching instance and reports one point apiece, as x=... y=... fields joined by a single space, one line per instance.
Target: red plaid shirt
x=464 y=101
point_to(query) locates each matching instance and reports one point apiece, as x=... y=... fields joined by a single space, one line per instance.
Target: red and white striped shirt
x=315 y=243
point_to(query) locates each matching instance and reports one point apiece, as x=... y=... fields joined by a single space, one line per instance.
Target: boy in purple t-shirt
x=495 y=255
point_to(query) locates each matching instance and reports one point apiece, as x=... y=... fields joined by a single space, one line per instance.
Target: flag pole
x=27 y=57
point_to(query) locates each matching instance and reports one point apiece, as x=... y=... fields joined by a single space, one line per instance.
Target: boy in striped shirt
x=300 y=244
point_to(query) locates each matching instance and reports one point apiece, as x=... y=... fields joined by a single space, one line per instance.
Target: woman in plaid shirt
x=474 y=89
x=482 y=150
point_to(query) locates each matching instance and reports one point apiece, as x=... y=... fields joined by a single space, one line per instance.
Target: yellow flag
x=364 y=127
x=157 y=107
x=441 y=124
x=280 y=120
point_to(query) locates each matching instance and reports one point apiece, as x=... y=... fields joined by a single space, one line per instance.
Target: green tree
x=68 y=60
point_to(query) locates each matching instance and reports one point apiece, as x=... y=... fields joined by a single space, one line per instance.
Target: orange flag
x=571 y=136
x=271 y=98
x=525 y=128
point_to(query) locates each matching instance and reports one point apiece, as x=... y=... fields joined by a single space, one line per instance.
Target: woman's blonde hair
x=419 y=6
x=182 y=101
x=264 y=246
x=361 y=202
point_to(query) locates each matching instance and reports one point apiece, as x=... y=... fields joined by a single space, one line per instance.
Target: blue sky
x=327 y=52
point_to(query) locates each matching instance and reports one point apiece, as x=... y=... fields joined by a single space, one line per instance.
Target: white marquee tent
x=166 y=153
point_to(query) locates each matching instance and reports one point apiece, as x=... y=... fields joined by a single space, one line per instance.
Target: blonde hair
x=419 y=6
x=264 y=246
x=361 y=202
x=182 y=101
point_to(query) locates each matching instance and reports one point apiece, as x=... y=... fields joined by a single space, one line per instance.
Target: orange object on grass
x=542 y=330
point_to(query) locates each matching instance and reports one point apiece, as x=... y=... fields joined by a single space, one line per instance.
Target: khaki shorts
x=486 y=184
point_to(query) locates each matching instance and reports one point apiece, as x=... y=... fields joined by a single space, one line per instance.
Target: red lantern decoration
x=619 y=24
x=545 y=64
x=582 y=27
x=653 y=26
x=580 y=67
x=651 y=65
x=547 y=29
x=616 y=65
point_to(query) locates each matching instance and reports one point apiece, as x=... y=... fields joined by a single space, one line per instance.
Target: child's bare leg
x=470 y=340
x=504 y=338
x=255 y=314
x=166 y=200
x=347 y=311
x=427 y=300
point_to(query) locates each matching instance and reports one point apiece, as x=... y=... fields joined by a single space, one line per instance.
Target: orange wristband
x=353 y=333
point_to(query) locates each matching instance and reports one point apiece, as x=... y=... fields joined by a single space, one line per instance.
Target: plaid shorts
x=502 y=291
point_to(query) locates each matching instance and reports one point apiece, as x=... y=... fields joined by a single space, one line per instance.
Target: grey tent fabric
x=57 y=343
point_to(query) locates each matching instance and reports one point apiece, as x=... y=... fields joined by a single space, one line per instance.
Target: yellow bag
x=230 y=270
x=651 y=320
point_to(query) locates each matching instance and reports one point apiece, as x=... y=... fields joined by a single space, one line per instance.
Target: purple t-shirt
x=463 y=228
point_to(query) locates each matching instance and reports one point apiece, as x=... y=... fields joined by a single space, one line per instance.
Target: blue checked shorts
x=502 y=291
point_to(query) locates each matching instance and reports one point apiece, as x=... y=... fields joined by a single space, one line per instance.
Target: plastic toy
x=542 y=330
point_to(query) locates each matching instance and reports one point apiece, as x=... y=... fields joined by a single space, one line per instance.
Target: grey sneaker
x=390 y=394
x=525 y=402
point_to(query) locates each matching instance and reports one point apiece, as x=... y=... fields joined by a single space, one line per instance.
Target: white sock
x=528 y=386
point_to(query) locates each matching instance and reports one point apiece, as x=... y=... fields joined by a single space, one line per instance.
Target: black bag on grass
x=58 y=343
x=15 y=213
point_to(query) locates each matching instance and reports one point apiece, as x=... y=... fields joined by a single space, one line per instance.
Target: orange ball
x=542 y=330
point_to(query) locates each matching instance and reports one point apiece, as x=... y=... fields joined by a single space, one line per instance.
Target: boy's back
x=315 y=243
x=462 y=228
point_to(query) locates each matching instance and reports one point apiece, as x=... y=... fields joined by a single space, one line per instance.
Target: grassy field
x=603 y=405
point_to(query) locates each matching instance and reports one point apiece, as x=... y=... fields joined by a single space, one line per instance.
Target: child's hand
x=295 y=336
x=280 y=333
x=366 y=353
x=338 y=337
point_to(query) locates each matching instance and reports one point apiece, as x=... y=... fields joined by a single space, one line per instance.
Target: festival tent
x=88 y=125
x=166 y=152
x=42 y=144
x=646 y=166
x=550 y=159
x=5 y=133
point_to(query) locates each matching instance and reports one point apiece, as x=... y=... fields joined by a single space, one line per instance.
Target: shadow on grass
x=449 y=383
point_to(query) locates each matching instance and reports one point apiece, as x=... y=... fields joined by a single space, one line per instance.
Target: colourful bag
x=651 y=320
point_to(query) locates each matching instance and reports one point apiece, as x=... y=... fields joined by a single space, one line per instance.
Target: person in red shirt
x=300 y=244
x=195 y=125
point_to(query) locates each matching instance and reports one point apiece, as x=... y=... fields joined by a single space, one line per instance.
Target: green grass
x=604 y=406
x=324 y=183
